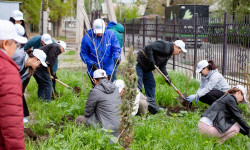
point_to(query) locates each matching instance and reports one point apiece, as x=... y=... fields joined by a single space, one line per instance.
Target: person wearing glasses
x=212 y=86
x=11 y=105
x=156 y=53
x=223 y=118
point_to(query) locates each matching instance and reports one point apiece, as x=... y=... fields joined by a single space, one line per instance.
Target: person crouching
x=102 y=106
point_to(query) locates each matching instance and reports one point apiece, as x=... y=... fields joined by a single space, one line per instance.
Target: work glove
x=94 y=67
x=117 y=61
x=169 y=80
x=54 y=76
x=190 y=98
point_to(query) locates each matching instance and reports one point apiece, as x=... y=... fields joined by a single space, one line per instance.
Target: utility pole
x=111 y=10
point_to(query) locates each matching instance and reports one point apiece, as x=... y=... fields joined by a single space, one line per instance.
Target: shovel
x=182 y=97
x=76 y=89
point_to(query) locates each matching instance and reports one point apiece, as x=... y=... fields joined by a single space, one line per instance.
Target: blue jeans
x=44 y=84
x=146 y=78
x=114 y=73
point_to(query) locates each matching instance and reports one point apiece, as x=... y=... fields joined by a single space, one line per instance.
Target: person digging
x=156 y=54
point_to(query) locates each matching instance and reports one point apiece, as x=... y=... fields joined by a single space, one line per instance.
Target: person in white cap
x=28 y=64
x=11 y=106
x=212 y=86
x=102 y=106
x=223 y=118
x=100 y=49
x=17 y=18
x=156 y=53
x=43 y=79
x=142 y=104
x=37 y=42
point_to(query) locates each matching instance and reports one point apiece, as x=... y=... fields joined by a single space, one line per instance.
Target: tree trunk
x=59 y=27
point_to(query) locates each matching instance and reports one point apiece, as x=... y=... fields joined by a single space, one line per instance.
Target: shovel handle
x=169 y=82
x=53 y=92
x=63 y=84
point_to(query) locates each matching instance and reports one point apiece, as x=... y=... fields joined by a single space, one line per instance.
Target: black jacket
x=157 y=53
x=224 y=113
x=52 y=51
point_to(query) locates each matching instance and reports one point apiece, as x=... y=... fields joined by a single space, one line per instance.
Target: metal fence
x=224 y=40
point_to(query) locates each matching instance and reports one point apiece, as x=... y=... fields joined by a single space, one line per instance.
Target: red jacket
x=11 y=105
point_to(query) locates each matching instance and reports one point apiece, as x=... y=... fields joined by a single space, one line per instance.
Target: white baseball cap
x=63 y=44
x=181 y=45
x=8 y=32
x=17 y=15
x=202 y=64
x=244 y=91
x=99 y=73
x=120 y=84
x=19 y=29
x=46 y=38
x=99 y=26
x=39 y=54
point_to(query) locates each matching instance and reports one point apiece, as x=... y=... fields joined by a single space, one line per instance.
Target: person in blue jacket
x=100 y=49
x=118 y=29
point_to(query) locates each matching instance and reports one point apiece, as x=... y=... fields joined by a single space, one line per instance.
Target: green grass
x=70 y=53
x=152 y=132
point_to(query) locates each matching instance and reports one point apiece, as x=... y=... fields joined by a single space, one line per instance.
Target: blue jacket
x=118 y=29
x=108 y=49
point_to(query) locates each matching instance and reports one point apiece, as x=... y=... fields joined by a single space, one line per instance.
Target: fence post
x=156 y=28
x=174 y=38
x=124 y=35
x=224 y=60
x=143 y=32
x=195 y=42
x=133 y=33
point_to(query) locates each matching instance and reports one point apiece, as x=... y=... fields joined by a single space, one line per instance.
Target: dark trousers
x=114 y=73
x=211 y=97
x=92 y=79
x=25 y=107
x=147 y=79
x=44 y=84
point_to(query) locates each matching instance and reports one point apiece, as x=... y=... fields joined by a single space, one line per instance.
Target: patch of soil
x=30 y=133
x=42 y=138
x=77 y=89
x=176 y=109
x=67 y=118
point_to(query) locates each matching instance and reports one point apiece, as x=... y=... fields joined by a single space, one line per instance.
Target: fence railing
x=225 y=40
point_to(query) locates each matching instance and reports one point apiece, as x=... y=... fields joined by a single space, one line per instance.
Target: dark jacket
x=52 y=51
x=102 y=106
x=224 y=113
x=157 y=53
x=11 y=105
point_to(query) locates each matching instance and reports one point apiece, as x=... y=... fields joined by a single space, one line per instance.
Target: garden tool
x=53 y=92
x=76 y=89
x=182 y=97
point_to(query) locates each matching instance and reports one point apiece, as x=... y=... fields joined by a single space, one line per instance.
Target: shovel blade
x=182 y=100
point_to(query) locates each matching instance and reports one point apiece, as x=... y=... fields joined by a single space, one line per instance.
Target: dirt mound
x=177 y=109
x=77 y=89
x=30 y=133
x=67 y=118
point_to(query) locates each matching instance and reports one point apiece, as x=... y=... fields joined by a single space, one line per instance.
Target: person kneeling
x=102 y=106
x=142 y=104
x=223 y=118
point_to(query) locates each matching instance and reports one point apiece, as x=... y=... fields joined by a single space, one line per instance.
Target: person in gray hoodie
x=102 y=106
x=212 y=86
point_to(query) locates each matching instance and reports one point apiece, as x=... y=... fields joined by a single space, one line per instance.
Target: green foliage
x=59 y=9
x=126 y=12
x=235 y=6
x=126 y=125
x=49 y=120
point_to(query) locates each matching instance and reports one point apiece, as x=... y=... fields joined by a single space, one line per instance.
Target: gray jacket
x=213 y=81
x=19 y=58
x=102 y=106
